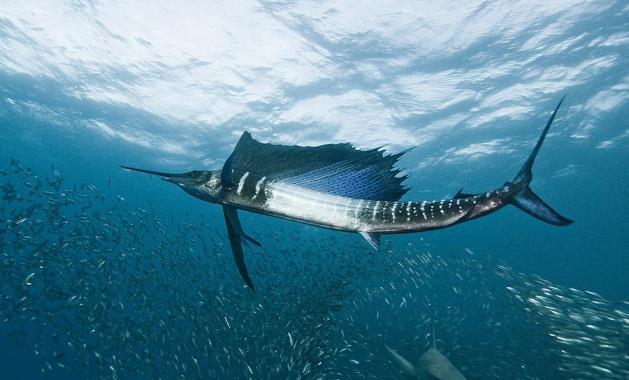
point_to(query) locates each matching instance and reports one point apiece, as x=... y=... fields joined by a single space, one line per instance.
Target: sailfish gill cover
x=107 y=273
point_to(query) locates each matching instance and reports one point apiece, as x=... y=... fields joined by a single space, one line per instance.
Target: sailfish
x=340 y=187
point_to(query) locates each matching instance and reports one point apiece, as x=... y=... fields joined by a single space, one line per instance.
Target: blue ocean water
x=134 y=278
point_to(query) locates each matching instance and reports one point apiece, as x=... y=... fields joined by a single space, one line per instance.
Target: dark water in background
x=80 y=91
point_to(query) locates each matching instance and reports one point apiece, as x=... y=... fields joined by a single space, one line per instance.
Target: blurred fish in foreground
x=431 y=365
x=91 y=281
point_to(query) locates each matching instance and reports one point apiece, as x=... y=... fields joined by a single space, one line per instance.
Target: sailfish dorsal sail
x=335 y=169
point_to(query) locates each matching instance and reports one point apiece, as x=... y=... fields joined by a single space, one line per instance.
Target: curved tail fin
x=523 y=197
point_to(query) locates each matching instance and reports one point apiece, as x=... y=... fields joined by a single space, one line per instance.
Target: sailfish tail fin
x=523 y=197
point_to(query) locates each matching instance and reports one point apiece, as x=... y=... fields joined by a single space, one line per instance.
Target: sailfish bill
x=340 y=187
x=161 y=174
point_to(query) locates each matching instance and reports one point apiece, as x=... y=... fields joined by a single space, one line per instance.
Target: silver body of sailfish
x=293 y=202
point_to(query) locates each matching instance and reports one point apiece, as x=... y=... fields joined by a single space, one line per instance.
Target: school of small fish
x=91 y=281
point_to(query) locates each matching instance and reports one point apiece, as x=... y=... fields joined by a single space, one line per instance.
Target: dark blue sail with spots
x=336 y=169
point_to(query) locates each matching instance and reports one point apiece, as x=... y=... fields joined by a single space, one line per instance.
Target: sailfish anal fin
x=235 y=233
x=373 y=238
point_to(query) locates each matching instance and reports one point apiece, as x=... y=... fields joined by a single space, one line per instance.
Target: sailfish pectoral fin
x=233 y=229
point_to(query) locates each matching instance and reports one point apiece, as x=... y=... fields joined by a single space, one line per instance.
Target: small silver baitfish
x=340 y=187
